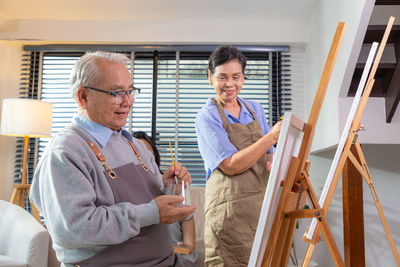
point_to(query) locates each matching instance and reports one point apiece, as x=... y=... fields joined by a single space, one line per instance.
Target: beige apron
x=233 y=203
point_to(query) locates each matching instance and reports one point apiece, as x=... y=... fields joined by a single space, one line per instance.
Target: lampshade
x=26 y=117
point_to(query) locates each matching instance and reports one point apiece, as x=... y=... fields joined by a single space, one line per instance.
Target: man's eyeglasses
x=119 y=95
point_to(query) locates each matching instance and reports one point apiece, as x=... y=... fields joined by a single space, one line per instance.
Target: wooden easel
x=297 y=186
x=21 y=190
x=357 y=158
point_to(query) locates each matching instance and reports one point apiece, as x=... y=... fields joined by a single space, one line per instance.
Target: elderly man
x=99 y=189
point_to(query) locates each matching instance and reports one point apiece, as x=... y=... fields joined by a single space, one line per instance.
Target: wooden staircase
x=387 y=83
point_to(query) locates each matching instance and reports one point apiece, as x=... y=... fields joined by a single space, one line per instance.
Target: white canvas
x=344 y=136
x=288 y=146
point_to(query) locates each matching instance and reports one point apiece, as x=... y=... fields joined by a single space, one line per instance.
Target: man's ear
x=81 y=96
x=209 y=76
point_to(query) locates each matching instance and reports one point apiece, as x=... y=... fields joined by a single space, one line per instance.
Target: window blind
x=174 y=87
x=29 y=88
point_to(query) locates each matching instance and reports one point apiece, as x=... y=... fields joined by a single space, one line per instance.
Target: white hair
x=85 y=71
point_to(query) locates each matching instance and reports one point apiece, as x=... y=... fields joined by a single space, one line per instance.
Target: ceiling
x=155 y=9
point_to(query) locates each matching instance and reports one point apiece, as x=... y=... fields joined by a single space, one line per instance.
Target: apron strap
x=102 y=160
x=250 y=110
x=101 y=157
x=222 y=113
x=95 y=150
x=138 y=156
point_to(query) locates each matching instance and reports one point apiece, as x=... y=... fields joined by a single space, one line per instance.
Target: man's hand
x=179 y=171
x=169 y=213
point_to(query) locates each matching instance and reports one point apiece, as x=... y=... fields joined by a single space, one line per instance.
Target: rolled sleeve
x=148 y=214
x=259 y=111
x=213 y=141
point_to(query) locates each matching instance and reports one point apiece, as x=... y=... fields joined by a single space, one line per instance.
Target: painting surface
x=288 y=146
x=345 y=134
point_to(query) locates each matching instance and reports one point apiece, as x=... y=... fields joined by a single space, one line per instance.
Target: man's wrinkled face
x=100 y=106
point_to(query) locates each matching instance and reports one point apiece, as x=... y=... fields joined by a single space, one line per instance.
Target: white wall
x=9 y=84
x=297 y=81
x=172 y=31
x=376 y=130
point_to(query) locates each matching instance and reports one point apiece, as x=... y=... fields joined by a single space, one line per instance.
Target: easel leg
x=307 y=257
x=300 y=202
x=330 y=241
x=18 y=198
x=368 y=179
x=323 y=225
x=353 y=215
x=278 y=251
x=288 y=244
x=14 y=198
x=22 y=198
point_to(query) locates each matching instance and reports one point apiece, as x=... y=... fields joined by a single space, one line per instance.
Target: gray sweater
x=72 y=194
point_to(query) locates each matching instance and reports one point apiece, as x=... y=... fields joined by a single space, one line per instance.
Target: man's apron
x=233 y=203
x=153 y=245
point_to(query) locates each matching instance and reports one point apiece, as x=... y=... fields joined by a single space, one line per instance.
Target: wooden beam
x=310 y=213
x=374 y=33
x=383 y=77
x=397 y=48
x=392 y=97
x=387 y=2
x=353 y=215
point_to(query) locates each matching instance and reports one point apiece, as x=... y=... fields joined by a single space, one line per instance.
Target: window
x=174 y=87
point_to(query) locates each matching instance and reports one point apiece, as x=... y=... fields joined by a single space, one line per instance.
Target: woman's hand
x=189 y=247
x=275 y=131
x=179 y=171
x=270 y=157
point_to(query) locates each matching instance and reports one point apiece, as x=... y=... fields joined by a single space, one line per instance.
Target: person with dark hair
x=142 y=136
x=182 y=231
x=236 y=145
x=99 y=190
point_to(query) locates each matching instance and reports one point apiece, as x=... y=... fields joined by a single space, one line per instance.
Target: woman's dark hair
x=223 y=54
x=143 y=135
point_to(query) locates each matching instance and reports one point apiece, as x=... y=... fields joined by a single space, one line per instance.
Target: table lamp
x=26 y=118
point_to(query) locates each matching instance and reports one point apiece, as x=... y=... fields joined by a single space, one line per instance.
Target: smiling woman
x=235 y=142
x=228 y=79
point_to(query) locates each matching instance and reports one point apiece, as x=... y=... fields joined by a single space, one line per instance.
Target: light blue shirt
x=213 y=140
x=99 y=132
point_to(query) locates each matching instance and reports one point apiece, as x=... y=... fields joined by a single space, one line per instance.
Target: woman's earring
x=210 y=83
